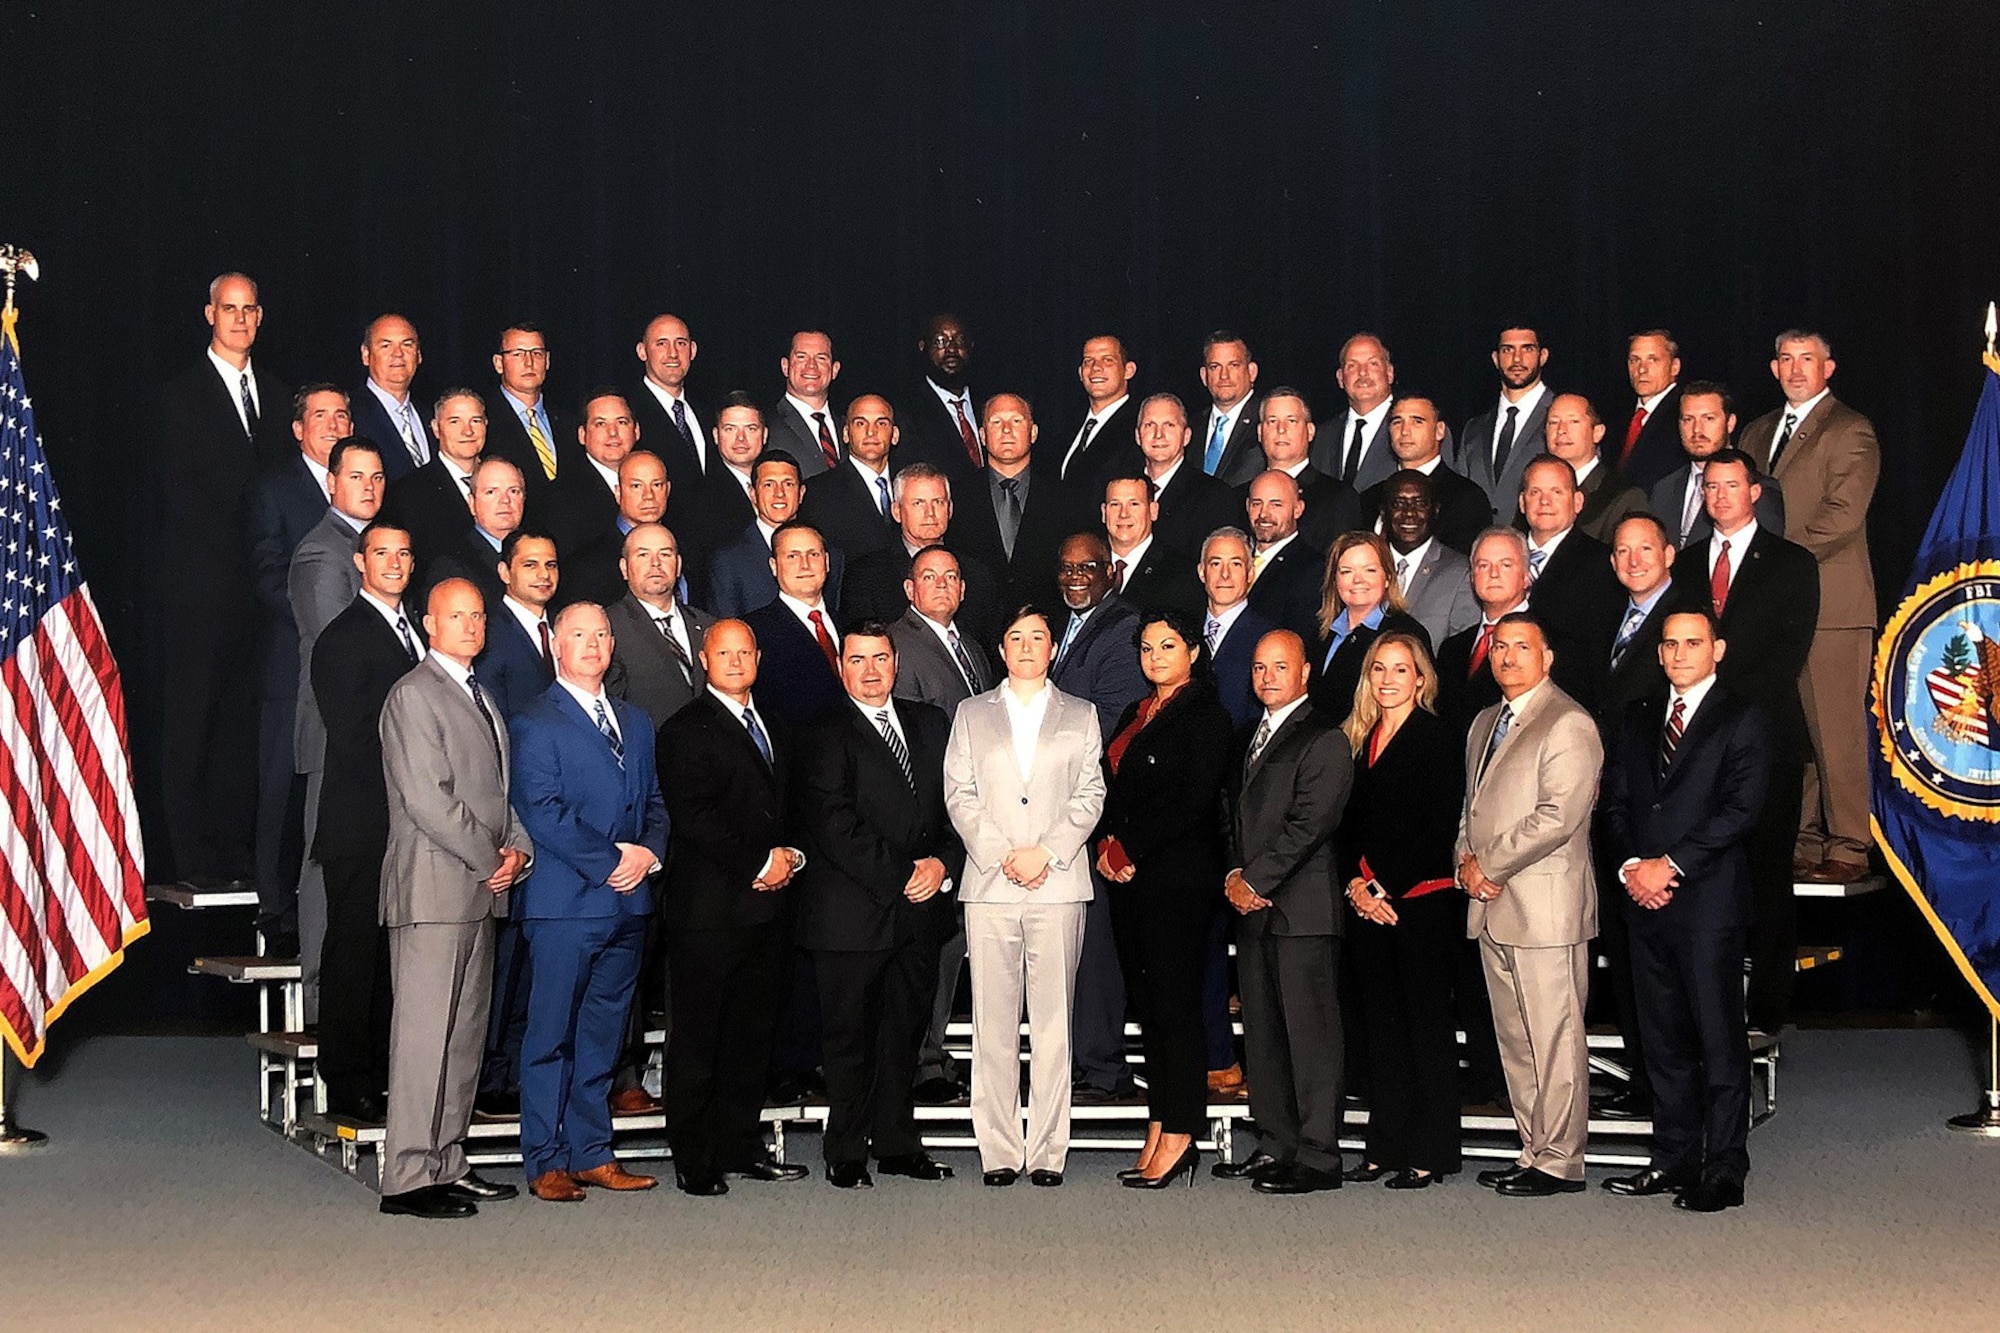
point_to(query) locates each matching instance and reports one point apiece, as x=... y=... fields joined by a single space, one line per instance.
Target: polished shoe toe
x=701 y=1184
x=432 y=1201
x=1365 y=1174
x=770 y=1170
x=634 y=1101
x=1249 y=1168
x=849 y=1176
x=1626 y=1104
x=1410 y=1180
x=556 y=1187
x=939 y=1091
x=1496 y=1178
x=1048 y=1180
x=1538 y=1184
x=477 y=1189
x=1710 y=1195
x=914 y=1166
x=1643 y=1184
x=1296 y=1179
x=612 y=1176
x=1001 y=1178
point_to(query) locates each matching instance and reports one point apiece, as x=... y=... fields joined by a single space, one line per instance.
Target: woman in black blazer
x=1396 y=845
x=1360 y=600
x=1161 y=847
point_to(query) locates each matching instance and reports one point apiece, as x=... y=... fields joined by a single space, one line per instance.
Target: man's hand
x=1650 y=883
x=1027 y=866
x=512 y=862
x=634 y=862
x=1367 y=905
x=1474 y=881
x=1241 y=896
x=783 y=867
x=925 y=880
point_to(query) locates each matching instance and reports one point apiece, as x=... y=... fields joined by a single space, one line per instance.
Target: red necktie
x=825 y=641
x=1718 y=581
x=826 y=447
x=548 y=658
x=1632 y=433
x=965 y=433
x=1670 y=739
x=1480 y=649
x=1118 y=576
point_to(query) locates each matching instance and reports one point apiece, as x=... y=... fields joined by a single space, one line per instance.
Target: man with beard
x=1708 y=419
x=1498 y=443
x=940 y=420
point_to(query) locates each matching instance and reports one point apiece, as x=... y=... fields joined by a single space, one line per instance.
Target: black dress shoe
x=1001 y=1178
x=1643 y=1184
x=1494 y=1179
x=1408 y=1179
x=1048 y=1180
x=701 y=1184
x=937 y=1092
x=1626 y=1104
x=474 y=1189
x=1365 y=1174
x=432 y=1201
x=1256 y=1164
x=1535 y=1183
x=1711 y=1194
x=1296 y=1179
x=916 y=1165
x=849 y=1176
x=770 y=1170
x=497 y=1105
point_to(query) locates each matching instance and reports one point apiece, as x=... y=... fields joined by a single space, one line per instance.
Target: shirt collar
x=589 y=701
x=1225 y=618
x=1645 y=608
x=873 y=714
x=1101 y=413
x=1166 y=479
x=387 y=400
x=610 y=474
x=1137 y=555
x=806 y=410
x=459 y=674
x=666 y=396
x=1549 y=551
x=1588 y=468
x=1278 y=717
x=1520 y=705
x=392 y=614
x=869 y=475
x=1414 y=559
x=1484 y=620
x=1374 y=418
x=1652 y=404
x=1694 y=694
x=804 y=609
x=531 y=620
x=1528 y=402
x=1270 y=552
x=1805 y=409
x=234 y=377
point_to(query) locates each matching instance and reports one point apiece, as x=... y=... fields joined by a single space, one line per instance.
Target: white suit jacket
x=994 y=811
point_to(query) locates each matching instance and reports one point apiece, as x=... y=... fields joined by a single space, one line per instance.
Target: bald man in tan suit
x=1531 y=765
x=1825 y=456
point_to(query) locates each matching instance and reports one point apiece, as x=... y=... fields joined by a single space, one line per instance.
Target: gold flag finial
x=1992 y=358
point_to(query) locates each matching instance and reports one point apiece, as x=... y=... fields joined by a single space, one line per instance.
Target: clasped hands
x=1027 y=867
x=1241 y=896
x=512 y=862
x=1651 y=882
x=1474 y=881
x=1367 y=905
x=783 y=864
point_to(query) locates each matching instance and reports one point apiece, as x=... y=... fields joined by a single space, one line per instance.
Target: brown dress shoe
x=556 y=1187
x=1843 y=872
x=612 y=1176
x=634 y=1101
x=1227 y=1085
x=1805 y=869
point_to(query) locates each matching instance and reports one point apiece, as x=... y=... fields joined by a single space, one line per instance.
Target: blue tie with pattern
x=610 y=734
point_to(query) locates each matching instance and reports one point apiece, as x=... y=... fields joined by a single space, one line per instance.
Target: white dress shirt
x=530 y=620
x=806 y=410
x=1099 y=416
x=232 y=380
x=1736 y=543
x=395 y=615
x=404 y=417
x=1025 y=718
x=1224 y=620
x=1134 y=557
x=666 y=399
x=1408 y=563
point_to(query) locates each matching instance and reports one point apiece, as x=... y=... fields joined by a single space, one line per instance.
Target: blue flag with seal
x=1935 y=767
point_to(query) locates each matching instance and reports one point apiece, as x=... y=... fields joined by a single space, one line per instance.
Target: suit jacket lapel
x=1289 y=728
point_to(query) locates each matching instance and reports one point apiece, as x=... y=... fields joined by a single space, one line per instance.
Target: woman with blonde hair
x=1361 y=598
x=1396 y=860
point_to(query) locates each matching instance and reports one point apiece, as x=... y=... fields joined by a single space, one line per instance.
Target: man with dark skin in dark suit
x=941 y=420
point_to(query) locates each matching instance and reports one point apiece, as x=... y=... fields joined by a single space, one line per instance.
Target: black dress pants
x=1161 y=928
x=1774 y=910
x=1690 y=987
x=1404 y=975
x=729 y=987
x=208 y=738
x=354 y=995
x=874 y=1006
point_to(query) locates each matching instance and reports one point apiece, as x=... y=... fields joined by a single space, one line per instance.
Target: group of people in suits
x=929 y=689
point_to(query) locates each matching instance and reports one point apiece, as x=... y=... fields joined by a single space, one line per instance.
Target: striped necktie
x=897 y=748
x=1670 y=738
x=543 y=453
x=610 y=734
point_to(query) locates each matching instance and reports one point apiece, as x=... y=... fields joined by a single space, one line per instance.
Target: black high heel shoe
x=1189 y=1159
x=1365 y=1174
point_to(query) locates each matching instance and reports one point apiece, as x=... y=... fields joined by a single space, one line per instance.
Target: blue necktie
x=1218 y=440
x=882 y=489
x=1069 y=636
x=757 y=736
x=1535 y=561
x=1505 y=721
x=1633 y=619
x=610 y=734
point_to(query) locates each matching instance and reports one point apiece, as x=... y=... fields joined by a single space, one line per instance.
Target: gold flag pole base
x=14 y=1139
x=1986 y=1120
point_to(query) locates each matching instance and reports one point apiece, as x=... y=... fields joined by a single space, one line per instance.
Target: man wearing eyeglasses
x=524 y=427
x=939 y=417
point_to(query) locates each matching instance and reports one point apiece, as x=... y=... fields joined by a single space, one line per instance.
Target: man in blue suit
x=586 y=790
x=1230 y=629
x=740 y=578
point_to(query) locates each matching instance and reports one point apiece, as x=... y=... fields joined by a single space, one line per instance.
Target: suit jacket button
x=1024 y=800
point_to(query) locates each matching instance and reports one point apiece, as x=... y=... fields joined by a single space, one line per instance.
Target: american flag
x=72 y=871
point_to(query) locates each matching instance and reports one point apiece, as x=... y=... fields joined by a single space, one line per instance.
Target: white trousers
x=1019 y=950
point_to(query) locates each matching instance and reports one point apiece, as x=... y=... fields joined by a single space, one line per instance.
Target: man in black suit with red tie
x=1145 y=571
x=1014 y=515
x=1680 y=798
x=669 y=421
x=1649 y=445
x=853 y=505
x=1765 y=592
x=215 y=425
x=874 y=905
x=799 y=643
x=1571 y=588
x=940 y=420
x=1192 y=503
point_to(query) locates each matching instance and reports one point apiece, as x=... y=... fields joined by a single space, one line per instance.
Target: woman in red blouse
x=1396 y=849
x=1161 y=847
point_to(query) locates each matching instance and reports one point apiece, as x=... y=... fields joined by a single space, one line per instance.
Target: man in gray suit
x=1708 y=420
x=1353 y=445
x=658 y=663
x=803 y=422
x=454 y=851
x=323 y=578
x=1531 y=767
x=1497 y=444
x=1436 y=580
x=1288 y=799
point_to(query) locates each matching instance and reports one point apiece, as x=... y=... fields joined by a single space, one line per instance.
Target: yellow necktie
x=546 y=455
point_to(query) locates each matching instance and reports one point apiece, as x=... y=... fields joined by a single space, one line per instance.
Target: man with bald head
x=658 y=665
x=1353 y=444
x=1417 y=437
x=214 y=426
x=803 y=422
x=383 y=408
x=1015 y=515
x=853 y=505
x=668 y=420
x=1285 y=569
x=432 y=501
x=1574 y=434
x=590 y=566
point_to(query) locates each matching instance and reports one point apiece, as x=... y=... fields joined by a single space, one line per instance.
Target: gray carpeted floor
x=162 y=1204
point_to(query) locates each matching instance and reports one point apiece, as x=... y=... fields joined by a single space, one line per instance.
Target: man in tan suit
x=1531 y=766
x=1824 y=455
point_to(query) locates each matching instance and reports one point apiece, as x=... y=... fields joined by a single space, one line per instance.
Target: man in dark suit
x=1231 y=627
x=1353 y=445
x=1497 y=444
x=434 y=502
x=522 y=426
x=586 y=791
x=1015 y=515
x=214 y=426
x=741 y=578
x=1643 y=558
x=1096 y=659
x=802 y=422
x=710 y=518
x=1144 y=571
x=874 y=586
x=940 y=421
x=798 y=639
x=669 y=421
x=1574 y=430
x=358 y=657
x=1285 y=431
x=1229 y=451
x=1765 y=592
x=1650 y=447
x=658 y=663
x=1284 y=807
x=852 y=505
x=382 y=407
x=590 y=570
x=1105 y=443
x=725 y=771
x=289 y=501
x=1285 y=570
x=1708 y=420
x=1192 y=503
x=1436 y=580
x=875 y=906
x=1416 y=436
x=582 y=505
x=496 y=502
x=1681 y=795
x=1571 y=588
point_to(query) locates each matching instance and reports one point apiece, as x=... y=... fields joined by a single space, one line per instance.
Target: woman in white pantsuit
x=1024 y=785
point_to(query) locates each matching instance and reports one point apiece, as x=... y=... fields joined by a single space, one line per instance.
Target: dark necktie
x=965 y=433
x=964 y=660
x=1784 y=438
x=548 y=652
x=897 y=748
x=1353 y=463
x=758 y=738
x=1118 y=576
x=1082 y=445
x=681 y=423
x=1505 y=444
x=825 y=640
x=610 y=734
x=409 y=642
x=674 y=649
x=882 y=494
x=479 y=702
x=1670 y=737
x=826 y=446
x=1010 y=512
x=249 y=405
